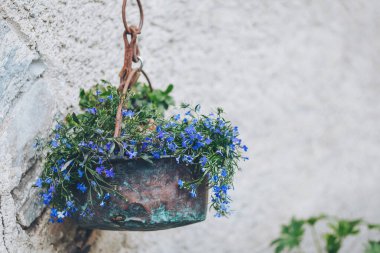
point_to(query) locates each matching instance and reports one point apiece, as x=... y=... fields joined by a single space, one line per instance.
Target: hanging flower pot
x=154 y=200
x=120 y=164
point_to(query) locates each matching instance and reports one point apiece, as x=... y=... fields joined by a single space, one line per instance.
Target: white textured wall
x=300 y=78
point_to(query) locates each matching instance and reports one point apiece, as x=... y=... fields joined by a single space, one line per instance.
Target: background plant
x=293 y=234
x=77 y=157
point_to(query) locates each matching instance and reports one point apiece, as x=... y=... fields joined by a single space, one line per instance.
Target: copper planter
x=154 y=200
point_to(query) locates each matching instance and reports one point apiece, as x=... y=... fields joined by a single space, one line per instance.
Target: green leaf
x=333 y=243
x=290 y=237
x=169 y=89
x=75 y=118
x=372 y=247
x=67 y=164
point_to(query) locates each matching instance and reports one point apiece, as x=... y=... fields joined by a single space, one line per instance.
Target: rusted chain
x=127 y=28
x=128 y=75
x=131 y=79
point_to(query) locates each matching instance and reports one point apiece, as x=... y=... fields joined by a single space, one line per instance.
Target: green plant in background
x=293 y=234
x=77 y=157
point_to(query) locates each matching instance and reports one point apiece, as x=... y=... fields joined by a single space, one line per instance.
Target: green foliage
x=373 y=247
x=78 y=155
x=291 y=236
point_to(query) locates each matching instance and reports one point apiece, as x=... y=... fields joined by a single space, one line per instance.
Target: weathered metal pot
x=155 y=201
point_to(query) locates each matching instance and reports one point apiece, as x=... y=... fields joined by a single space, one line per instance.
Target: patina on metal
x=150 y=198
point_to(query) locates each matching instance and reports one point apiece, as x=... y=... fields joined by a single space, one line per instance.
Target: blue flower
x=47 y=197
x=245 y=158
x=99 y=169
x=177 y=117
x=128 y=113
x=91 y=110
x=188 y=113
x=53 y=212
x=187 y=158
x=110 y=173
x=58 y=126
x=215 y=178
x=180 y=183
x=208 y=141
x=81 y=187
x=102 y=204
x=54 y=143
x=107 y=196
x=224 y=173
x=108 y=146
x=110 y=97
x=39 y=183
x=101 y=100
x=80 y=173
x=98 y=92
x=172 y=147
x=156 y=155
x=245 y=148
x=131 y=154
x=69 y=204
x=203 y=161
x=225 y=188
x=193 y=193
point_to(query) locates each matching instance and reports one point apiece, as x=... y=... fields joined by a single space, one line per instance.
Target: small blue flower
x=107 y=196
x=208 y=141
x=128 y=113
x=101 y=100
x=80 y=173
x=215 y=178
x=99 y=169
x=108 y=146
x=91 y=110
x=177 y=117
x=132 y=154
x=47 y=197
x=102 y=204
x=39 y=183
x=156 y=155
x=225 y=188
x=53 y=212
x=54 y=143
x=81 y=187
x=58 y=126
x=245 y=158
x=98 y=92
x=245 y=148
x=203 y=161
x=69 y=204
x=224 y=173
x=110 y=173
x=180 y=183
x=110 y=97
x=193 y=193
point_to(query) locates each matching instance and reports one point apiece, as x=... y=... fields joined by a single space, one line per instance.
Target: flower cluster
x=78 y=154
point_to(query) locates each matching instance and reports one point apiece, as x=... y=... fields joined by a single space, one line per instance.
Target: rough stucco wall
x=300 y=78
